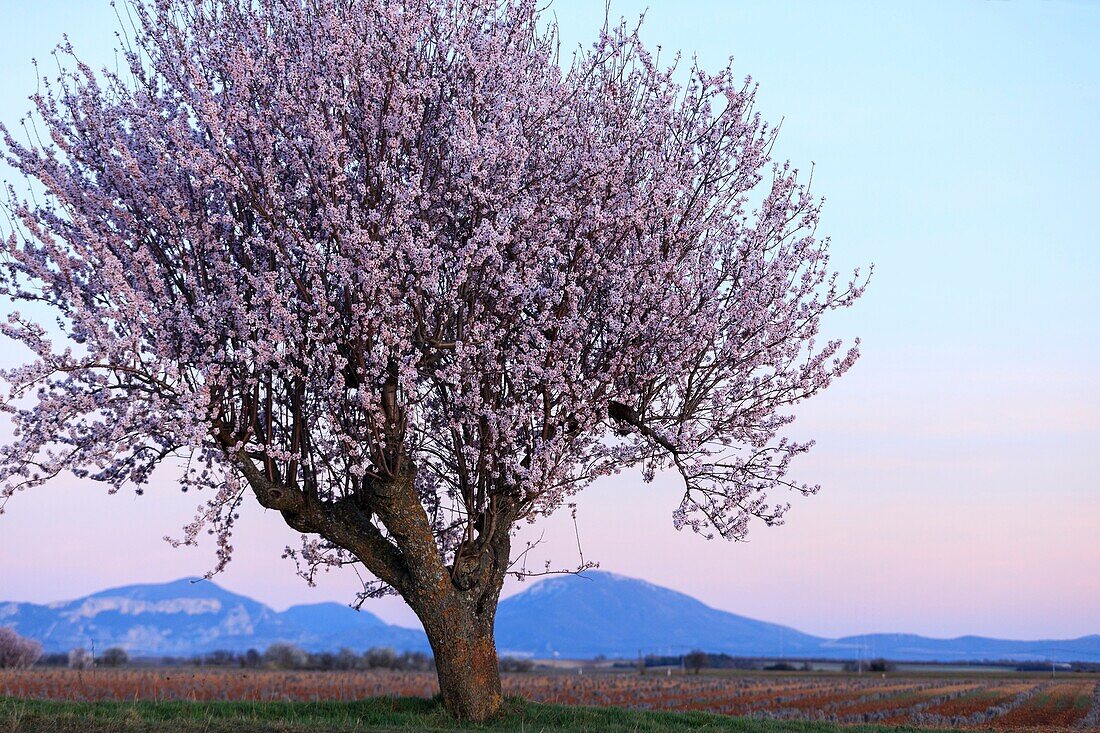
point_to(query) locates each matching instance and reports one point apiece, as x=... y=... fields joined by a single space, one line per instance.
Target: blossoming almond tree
x=393 y=269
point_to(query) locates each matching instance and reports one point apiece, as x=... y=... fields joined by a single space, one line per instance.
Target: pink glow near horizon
x=954 y=544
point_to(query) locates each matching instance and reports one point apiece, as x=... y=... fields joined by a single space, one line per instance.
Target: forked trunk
x=466 y=662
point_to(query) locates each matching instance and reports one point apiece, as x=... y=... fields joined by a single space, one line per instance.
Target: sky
x=956 y=146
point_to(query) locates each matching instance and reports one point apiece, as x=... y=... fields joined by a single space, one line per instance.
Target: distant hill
x=192 y=616
x=604 y=613
x=566 y=616
x=609 y=614
x=964 y=648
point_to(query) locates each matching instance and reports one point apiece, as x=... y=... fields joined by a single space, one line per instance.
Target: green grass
x=374 y=715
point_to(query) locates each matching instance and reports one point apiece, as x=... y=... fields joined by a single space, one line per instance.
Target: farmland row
x=208 y=686
x=1062 y=705
x=981 y=707
x=883 y=708
x=1005 y=704
x=976 y=705
x=1092 y=717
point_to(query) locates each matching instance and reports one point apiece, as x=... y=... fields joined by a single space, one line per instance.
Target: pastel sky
x=956 y=144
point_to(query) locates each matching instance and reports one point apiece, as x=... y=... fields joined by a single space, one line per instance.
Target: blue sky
x=956 y=145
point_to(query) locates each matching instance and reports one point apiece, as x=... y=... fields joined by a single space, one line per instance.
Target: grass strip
x=375 y=715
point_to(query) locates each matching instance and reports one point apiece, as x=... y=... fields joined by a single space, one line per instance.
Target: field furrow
x=1005 y=704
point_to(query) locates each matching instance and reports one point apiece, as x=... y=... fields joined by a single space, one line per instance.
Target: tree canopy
x=402 y=273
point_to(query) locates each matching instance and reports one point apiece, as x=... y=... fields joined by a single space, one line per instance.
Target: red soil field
x=1061 y=705
x=980 y=699
x=1015 y=704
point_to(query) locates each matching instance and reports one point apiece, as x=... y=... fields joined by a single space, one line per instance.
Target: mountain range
x=193 y=616
x=569 y=616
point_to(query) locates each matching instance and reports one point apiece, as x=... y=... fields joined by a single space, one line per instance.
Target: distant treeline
x=698 y=660
x=277 y=656
x=1060 y=667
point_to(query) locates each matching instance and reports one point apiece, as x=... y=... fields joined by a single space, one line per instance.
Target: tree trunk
x=466 y=662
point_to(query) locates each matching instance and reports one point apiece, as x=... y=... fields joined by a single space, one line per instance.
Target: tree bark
x=459 y=623
x=466 y=663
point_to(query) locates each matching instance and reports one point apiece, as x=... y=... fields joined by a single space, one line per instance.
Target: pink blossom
x=326 y=245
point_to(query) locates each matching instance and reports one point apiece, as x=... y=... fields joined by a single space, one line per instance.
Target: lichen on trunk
x=466 y=663
x=458 y=618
